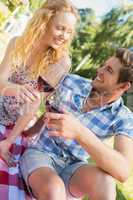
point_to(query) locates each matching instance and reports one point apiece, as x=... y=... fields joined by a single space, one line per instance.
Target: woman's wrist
x=8 y=142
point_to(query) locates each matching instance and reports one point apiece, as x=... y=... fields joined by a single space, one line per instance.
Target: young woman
x=41 y=52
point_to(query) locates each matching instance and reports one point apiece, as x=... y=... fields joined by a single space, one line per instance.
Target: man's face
x=106 y=80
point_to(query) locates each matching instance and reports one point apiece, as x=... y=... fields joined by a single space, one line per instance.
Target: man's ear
x=125 y=86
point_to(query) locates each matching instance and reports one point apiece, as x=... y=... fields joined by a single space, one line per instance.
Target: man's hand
x=5 y=155
x=63 y=125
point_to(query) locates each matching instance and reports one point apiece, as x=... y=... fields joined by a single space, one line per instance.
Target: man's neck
x=96 y=100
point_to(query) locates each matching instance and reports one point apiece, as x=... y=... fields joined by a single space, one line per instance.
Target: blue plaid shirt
x=104 y=122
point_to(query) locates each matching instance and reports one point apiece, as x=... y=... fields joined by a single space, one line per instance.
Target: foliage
x=86 y=32
x=35 y=4
x=2 y=18
x=99 y=40
x=12 y=4
x=21 y=6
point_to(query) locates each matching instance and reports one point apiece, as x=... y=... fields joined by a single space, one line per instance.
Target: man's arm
x=116 y=162
x=124 y=145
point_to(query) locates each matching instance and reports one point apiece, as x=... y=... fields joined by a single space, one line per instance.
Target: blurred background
x=105 y=25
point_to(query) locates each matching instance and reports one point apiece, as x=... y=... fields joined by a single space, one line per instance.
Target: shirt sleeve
x=124 y=125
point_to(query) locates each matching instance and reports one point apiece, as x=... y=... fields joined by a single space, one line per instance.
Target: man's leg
x=46 y=185
x=92 y=181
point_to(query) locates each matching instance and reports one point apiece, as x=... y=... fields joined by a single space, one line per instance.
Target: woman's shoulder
x=10 y=47
x=11 y=43
x=6 y=61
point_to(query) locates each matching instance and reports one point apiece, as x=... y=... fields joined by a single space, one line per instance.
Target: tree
x=96 y=41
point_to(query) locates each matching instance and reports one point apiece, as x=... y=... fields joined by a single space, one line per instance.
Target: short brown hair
x=126 y=58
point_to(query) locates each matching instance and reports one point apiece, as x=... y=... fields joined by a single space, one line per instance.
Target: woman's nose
x=64 y=35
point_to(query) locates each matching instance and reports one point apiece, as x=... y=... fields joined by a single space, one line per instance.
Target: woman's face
x=59 y=30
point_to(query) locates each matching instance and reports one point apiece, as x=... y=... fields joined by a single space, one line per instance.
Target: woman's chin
x=56 y=46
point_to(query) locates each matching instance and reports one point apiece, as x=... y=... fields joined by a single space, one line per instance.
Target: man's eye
x=109 y=69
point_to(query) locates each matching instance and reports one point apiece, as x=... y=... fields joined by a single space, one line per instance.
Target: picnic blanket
x=12 y=186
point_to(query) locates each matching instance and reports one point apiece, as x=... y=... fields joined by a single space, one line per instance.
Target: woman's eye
x=60 y=28
x=69 y=32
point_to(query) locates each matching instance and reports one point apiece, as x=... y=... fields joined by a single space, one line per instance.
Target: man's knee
x=96 y=183
x=106 y=190
x=46 y=187
x=51 y=188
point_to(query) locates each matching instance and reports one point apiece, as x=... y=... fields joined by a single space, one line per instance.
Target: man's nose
x=100 y=70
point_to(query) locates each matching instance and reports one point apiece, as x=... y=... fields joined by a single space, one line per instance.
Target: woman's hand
x=5 y=155
x=32 y=105
x=23 y=93
x=26 y=93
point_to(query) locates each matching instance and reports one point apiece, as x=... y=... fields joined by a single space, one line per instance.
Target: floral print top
x=10 y=107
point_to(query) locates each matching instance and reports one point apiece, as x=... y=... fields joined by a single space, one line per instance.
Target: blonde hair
x=33 y=33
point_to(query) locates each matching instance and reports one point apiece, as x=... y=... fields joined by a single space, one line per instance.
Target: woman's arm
x=16 y=131
x=7 y=88
x=35 y=128
x=29 y=112
x=23 y=92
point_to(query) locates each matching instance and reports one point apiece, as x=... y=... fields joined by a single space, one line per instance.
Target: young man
x=56 y=167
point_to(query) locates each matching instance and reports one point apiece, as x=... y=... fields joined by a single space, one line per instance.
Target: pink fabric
x=12 y=186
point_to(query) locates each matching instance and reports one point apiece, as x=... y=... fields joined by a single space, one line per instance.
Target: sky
x=100 y=6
